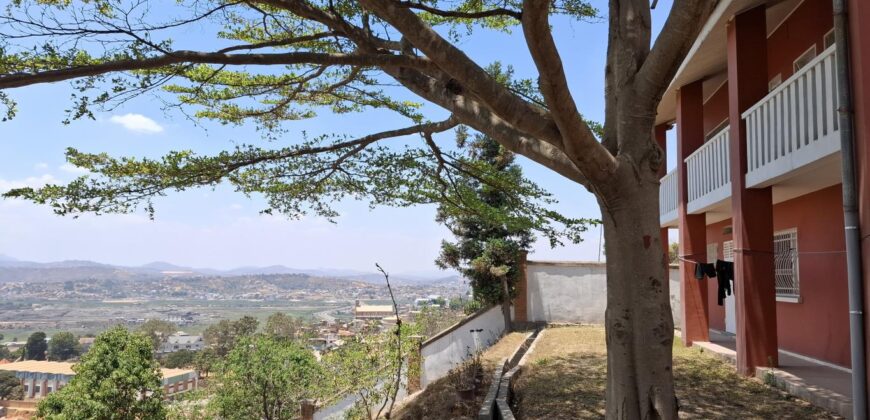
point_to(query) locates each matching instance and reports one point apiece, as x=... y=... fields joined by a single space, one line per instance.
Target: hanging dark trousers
x=725 y=275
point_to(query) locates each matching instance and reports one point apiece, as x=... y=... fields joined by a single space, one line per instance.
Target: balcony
x=709 y=174
x=793 y=145
x=668 y=200
x=795 y=128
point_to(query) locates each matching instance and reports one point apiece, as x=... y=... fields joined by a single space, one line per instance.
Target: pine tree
x=488 y=244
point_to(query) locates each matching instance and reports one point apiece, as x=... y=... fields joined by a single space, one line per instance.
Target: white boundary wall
x=456 y=344
x=576 y=292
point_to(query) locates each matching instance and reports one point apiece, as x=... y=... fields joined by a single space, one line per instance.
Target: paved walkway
x=821 y=385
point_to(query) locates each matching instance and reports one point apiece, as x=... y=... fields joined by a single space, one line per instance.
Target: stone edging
x=495 y=405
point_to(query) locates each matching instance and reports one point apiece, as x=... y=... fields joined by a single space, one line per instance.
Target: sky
x=223 y=229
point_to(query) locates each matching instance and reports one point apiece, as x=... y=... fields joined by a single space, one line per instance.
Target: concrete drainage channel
x=497 y=404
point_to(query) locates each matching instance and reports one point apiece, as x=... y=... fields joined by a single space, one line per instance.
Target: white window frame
x=828 y=40
x=790 y=235
x=804 y=58
x=728 y=251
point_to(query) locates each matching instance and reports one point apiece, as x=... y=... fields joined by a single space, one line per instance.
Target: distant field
x=91 y=317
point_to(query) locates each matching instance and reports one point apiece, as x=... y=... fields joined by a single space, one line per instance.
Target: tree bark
x=638 y=320
x=506 y=305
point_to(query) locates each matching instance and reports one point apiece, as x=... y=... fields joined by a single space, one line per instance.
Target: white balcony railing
x=795 y=124
x=709 y=173
x=668 y=199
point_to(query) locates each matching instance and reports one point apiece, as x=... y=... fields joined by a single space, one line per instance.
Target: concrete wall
x=576 y=292
x=456 y=344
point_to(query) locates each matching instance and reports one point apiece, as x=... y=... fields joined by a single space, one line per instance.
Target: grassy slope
x=566 y=378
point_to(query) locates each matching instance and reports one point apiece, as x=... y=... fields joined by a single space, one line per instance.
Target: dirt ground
x=441 y=400
x=566 y=378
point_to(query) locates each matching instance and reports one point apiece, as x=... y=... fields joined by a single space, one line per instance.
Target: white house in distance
x=182 y=341
x=372 y=312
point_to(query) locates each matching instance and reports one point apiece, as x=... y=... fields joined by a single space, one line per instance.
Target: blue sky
x=222 y=229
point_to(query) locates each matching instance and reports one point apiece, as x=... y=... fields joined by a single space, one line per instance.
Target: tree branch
x=578 y=141
x=195 y=57
x=478 y=116
x=526 y=117
x=670 y=48
x=461 y=15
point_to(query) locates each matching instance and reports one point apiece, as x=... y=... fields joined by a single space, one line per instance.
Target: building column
x=752 y=209
x=662 y=140
x=693 y=227
x=859 y=55
x=521 y=300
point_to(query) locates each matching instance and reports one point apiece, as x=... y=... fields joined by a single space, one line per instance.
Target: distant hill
x=14 y=270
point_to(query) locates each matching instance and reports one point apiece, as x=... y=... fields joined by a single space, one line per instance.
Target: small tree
x=490 y=239
x=10 y=386
x=116 y=379
x=179 y=359
x=63 y=346
x=266 y=378
x=281 y=325
x=223 y=335
x=158 y=331
x=35 y=347
x=674 y=253
x=205 y=360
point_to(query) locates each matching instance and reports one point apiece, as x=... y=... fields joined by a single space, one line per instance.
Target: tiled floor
x=812 y=373
x=820 y=384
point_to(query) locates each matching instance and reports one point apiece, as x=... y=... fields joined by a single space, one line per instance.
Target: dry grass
x=441 y=400
x=566 y=379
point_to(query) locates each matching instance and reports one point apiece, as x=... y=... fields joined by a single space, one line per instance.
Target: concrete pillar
x=521 y=300
x=662 y=141
x=859 y=32
x=752 y=209
x=308 y=408
x=415 y=364
x=693 y=227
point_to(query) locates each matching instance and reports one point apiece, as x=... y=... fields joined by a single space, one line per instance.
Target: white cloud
x=72 y=169
x=32 y=181
x=137 y=123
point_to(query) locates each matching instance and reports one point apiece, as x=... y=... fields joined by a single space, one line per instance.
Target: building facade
x=40 y=378
x=182 y=341
x=757 y=182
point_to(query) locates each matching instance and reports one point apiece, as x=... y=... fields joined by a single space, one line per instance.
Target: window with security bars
x=785 y=259
x=728 y=251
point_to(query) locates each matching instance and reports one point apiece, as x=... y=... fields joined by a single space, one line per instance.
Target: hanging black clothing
x=704 y=269
x=725 y=275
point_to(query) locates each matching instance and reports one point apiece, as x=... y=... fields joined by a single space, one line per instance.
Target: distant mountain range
x=14 y=270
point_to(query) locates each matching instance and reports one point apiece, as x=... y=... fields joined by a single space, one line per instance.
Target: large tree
x=36 y=346
x=222 y=337
x=488 y=241
x=10 y=386
x=116 y=379
x=266 y=378
x=158 y=331
x=272 y=61
x=63 y=346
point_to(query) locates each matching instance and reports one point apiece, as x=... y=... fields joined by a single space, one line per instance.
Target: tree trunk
x=506 y=305
x=639 y=324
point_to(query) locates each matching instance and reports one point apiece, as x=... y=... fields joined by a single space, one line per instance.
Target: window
x=715 y=131
x=728 y=251
x=37 y=389
x=805 y=58
x=829 y=39
x=773 y=83
x=785 y=251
